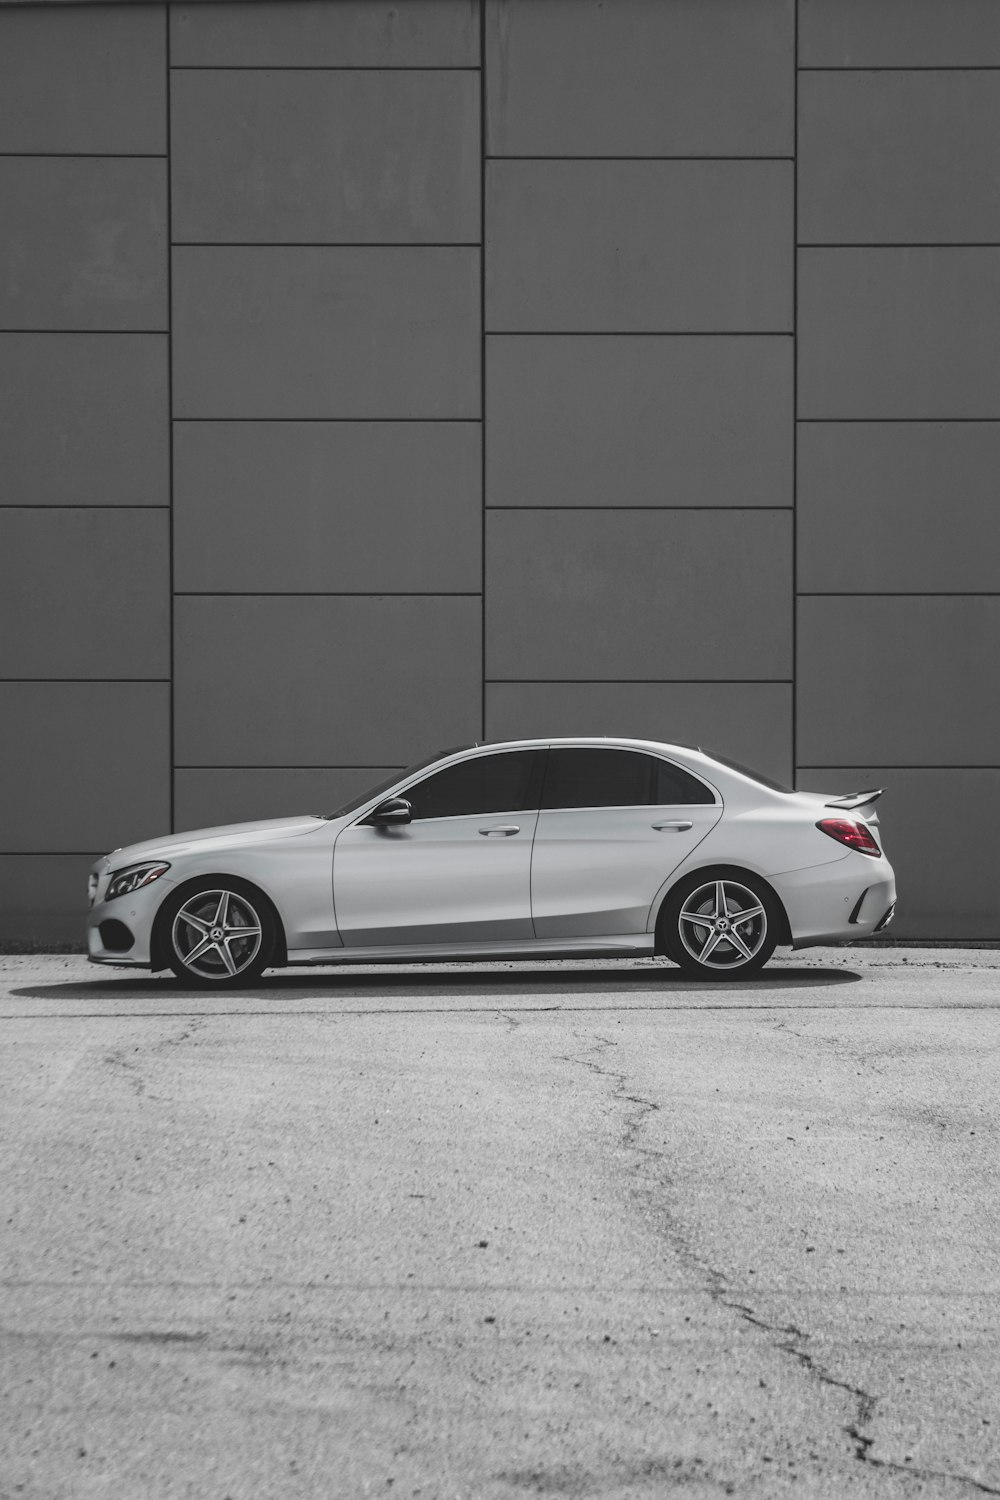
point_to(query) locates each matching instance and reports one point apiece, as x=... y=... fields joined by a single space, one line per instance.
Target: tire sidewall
x=246 y=892
x=670 y=924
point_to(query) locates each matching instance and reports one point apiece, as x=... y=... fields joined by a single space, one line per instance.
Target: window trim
x=476 y=752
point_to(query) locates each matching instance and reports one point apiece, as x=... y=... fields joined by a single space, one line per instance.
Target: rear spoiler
x=853 y=800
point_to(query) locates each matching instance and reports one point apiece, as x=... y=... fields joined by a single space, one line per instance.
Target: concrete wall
x=377 y=377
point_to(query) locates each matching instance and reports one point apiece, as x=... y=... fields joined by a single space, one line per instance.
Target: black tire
x=699 y=913
x=238 y=933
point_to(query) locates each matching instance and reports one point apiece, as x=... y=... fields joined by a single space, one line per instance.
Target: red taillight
x=854 y=835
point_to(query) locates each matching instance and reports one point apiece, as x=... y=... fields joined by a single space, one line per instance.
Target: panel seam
x=170 y=411
x=323 y=68
x=795 y=388
x=482 y=359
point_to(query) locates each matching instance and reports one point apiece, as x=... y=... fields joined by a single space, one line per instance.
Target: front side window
x=479 y=787
x=617 y=778
x=390 y=782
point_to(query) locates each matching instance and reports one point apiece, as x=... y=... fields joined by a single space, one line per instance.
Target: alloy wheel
x=217 y=934
x=722 y=925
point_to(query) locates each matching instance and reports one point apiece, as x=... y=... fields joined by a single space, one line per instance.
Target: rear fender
x=715 y=872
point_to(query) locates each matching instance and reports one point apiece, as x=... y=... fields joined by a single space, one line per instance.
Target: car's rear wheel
x=720 y=926
x=219 y=934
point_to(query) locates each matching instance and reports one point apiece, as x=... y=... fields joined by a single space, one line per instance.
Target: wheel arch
x=718 y=872
x=158 y=941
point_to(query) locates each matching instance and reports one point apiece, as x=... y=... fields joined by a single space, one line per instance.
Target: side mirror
x=393 y=810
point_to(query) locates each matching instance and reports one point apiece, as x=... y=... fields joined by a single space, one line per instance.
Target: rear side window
x=617 y=778
x=674 y=787
x=736 y=765
x=486 y=784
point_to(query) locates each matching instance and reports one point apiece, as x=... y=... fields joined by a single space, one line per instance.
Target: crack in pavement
x=128 y=1067
x=194 y=1023
x=862 y=1452
x=792 y=1338
x=127 y=1070
x=867 y=1404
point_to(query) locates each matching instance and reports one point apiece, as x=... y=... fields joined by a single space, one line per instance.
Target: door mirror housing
x=392 y=810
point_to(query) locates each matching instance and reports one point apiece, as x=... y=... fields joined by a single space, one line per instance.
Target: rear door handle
x=680 y=826
x=503 y=828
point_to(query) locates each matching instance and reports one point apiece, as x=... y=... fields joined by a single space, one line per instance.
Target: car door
x=613 y=825
x=458 y=872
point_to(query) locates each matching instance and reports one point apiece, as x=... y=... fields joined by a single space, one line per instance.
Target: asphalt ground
x=584 y=1229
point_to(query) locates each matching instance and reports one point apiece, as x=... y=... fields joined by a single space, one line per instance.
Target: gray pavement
x=581 y=1230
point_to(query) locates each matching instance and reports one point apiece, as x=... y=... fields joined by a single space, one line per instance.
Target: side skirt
x=600 y=947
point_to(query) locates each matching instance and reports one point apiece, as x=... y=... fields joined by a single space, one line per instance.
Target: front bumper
x=136 y=913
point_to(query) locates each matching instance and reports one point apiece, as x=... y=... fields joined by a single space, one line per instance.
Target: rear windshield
x=735 y=765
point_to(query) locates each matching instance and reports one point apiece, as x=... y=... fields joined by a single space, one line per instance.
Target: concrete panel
x=899 y=33
x=899 y=158
x=899 y=507
x=639 y=246
x=86 y=419
x=899 y=333
x=86 y=78
x=639 y=420
x=84 y=593
x=951 y=895
x=898 y=682
x=638 y=595
x=751 y=721
x=83 y=243
x=43 y=901
x=349 y=34
x=203 y=798
x=640 y=78
x=83 y=766
x=300 y=331
x=366 y=682
x=325 y=157
x=340 y=507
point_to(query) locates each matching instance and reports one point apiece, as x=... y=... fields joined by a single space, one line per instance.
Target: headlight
x=124 y=882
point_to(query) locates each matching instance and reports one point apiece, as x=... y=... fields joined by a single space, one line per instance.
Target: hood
x=226 y=835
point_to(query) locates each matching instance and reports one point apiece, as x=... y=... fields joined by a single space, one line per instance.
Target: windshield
x=735 y=765
x=393 y=780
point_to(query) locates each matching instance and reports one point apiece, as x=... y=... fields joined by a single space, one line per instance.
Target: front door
x=458 y=872
x=613 y=825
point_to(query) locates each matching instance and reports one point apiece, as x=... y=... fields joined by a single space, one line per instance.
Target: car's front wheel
x=219 y=934
x=720 y=926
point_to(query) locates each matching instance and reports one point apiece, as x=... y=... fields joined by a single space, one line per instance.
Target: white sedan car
x=531 y=849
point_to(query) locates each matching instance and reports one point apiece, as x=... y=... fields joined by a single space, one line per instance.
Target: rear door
x=613 y=825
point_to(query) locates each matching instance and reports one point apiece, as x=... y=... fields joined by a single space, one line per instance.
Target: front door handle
x=506 y=829
x=680 y=825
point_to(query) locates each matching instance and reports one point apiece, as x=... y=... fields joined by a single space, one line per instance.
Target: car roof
x=702 y=762
x=618 y=741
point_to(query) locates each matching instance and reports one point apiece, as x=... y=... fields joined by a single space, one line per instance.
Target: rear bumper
x=840 y=902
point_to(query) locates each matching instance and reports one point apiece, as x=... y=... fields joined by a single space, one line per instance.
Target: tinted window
x=735 y=765
x=391 y=781
x=616 y=778
x=486 y=784
x=674 y=786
